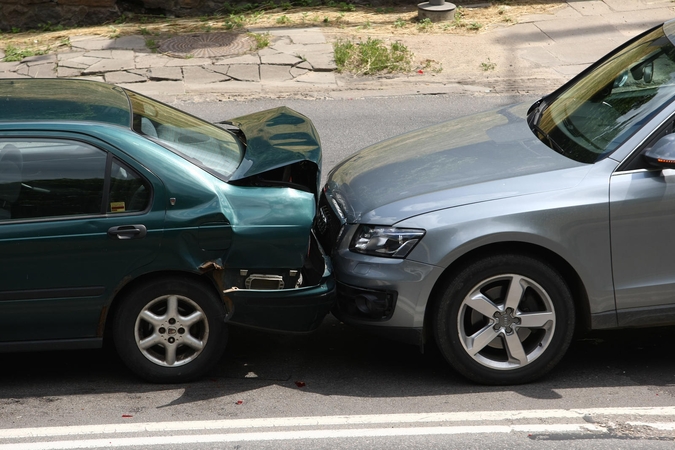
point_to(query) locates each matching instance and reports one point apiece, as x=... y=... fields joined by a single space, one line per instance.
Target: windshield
x=212 y=148
x=599 y=112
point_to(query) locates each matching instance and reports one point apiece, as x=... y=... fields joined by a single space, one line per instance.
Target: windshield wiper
x=542 y=135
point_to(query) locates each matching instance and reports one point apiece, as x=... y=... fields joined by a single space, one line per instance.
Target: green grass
x=13 y=53
x=261 y=40
x=489 y=65
x=371 y=57
x=152 y=44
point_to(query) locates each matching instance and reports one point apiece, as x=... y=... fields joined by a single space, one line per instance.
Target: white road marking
x=665 y=426
x=277 y=422
x=293 y=435
x=295 y=428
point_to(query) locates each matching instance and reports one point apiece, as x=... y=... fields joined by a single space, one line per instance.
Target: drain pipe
x=436 y=11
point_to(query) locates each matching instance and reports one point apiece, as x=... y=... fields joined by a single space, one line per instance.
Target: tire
x=170 y=330
x=505 y=319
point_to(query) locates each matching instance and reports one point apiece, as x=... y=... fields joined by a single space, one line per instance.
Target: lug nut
x=172 y=321
x=171 y=340
x=162 y=330
x=181 y=330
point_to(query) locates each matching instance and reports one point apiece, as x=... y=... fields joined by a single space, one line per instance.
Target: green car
x=122 y=218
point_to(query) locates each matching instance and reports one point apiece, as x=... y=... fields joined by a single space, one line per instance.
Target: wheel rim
x=506 y=322
x=171 y=331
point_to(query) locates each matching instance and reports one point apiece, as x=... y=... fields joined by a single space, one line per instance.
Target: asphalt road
x=340 y=387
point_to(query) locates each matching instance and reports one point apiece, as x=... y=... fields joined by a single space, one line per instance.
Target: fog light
x=371 y=305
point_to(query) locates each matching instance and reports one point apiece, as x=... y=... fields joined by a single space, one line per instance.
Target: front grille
x=326 y=225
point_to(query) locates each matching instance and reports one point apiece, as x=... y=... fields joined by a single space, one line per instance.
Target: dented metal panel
x=275 y=138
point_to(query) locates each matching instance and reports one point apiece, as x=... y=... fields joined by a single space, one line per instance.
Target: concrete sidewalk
x=533 y=56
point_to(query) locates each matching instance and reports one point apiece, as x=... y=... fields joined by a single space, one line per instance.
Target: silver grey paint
x=557 y=204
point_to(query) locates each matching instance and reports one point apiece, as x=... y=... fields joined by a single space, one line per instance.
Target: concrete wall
x=32 y=14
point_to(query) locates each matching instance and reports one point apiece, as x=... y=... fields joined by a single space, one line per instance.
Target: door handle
x=125 y=232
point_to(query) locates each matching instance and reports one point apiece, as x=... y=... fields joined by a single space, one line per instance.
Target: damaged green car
x=122 y=218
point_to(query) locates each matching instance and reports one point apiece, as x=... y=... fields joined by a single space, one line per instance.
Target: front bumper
x=404 y=286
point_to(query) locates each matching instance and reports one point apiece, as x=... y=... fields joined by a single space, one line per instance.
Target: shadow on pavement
x=339 y=360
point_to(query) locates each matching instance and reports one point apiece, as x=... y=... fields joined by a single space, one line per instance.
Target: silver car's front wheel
x=504 y=320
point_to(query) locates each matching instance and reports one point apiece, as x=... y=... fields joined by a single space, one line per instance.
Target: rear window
x=210 y=147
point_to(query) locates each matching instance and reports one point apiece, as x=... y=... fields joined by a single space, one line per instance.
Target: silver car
x=500 y=234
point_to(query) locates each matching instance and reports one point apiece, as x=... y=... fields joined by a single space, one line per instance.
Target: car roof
x=30 y=99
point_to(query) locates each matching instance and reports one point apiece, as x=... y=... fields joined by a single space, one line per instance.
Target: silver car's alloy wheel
x=171 y=330
x=506 y=322
x=503 y=319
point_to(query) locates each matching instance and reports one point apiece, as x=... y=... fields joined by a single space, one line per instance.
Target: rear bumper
x=291 y=310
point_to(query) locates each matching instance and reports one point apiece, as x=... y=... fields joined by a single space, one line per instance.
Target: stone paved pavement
x=535 y=55
x=295 y=60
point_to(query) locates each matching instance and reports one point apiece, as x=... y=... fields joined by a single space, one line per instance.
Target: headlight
x=385 y=241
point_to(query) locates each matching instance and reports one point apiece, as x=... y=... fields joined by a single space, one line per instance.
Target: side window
x=50 y=178
x=129 y=192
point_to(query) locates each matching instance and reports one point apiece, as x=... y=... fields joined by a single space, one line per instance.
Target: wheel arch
x=569 y=274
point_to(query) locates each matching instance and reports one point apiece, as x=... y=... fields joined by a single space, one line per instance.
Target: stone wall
x=34 y=14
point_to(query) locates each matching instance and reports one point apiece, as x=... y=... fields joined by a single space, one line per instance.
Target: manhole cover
x=206 y=45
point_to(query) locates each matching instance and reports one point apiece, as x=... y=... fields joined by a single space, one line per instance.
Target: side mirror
x=662 y=154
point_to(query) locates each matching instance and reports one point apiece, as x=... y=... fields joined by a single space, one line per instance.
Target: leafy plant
x=425 y=24
x=234 y=21
x=475 y=26
x=13 y=53
x=152 y=45
x=49 y=27
x=346 y=6
x=261 y=40
x=144 y=31
x=371 y=57
x=284 y=20
x=489 y=65
x=400 y=23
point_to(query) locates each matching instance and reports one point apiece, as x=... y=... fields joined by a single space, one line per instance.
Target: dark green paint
x=235 y=227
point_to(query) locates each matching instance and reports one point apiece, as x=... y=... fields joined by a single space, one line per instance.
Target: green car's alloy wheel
x=505 y=319
x=170 y=331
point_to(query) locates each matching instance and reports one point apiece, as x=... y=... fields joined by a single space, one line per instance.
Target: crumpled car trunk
x=282 y=148
x=275 y=210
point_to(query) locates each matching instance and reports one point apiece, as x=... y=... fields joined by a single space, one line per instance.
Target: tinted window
x=128 y=191
x=50 y=178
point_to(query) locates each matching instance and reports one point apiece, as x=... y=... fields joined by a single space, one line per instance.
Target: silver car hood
x=473 y=159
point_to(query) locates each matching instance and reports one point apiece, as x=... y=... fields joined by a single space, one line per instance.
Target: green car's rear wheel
x=170 y=331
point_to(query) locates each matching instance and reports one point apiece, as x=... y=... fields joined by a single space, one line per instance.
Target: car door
x=642 y=214
x=75 y=222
